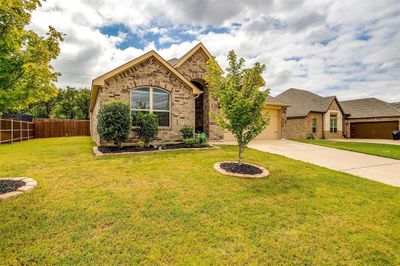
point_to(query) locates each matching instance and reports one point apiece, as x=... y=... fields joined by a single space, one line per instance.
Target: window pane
x=160 y=100
x=134 y=120
x=163 y=119
x=140 y=99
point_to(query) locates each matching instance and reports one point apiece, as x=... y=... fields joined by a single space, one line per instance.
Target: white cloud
x=284 y=35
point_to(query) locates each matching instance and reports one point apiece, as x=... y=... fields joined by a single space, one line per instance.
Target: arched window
x=151 y=100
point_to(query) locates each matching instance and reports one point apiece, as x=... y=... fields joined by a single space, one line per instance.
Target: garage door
x=271 y=132
x=373 y=130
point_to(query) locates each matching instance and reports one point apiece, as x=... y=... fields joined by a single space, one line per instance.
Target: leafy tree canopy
x=26 y=75
x=240 y=98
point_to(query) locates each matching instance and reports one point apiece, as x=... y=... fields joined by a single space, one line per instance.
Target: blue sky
x=324 y=46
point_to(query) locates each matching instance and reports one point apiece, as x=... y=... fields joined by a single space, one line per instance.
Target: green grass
x=173 y=208
x=383 y=150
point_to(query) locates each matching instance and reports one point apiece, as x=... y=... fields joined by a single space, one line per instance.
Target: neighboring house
x=310 y=113
x=174 y=90
x=371 y=118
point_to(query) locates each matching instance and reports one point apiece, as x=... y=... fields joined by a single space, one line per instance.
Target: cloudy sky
x=346 y=48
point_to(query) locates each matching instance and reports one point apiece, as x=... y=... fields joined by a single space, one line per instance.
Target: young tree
x=26 y=75
x=240 y=99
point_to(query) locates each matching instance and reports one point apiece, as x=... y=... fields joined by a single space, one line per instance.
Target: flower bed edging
x=30 y=184
x=96 y=151
x=217 y=167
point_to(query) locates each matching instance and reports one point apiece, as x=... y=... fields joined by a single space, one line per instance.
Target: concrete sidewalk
x=376 y=168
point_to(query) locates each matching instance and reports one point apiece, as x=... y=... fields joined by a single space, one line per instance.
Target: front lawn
x=383 y=150
x=173 y=208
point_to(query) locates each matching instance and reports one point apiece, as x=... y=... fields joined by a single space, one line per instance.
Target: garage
x=373 y=130
x=273 y=130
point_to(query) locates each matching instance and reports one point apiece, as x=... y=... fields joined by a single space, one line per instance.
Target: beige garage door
x=272 y=130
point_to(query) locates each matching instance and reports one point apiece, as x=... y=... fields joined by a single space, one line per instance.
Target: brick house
x=371 y=118
x=327 y=118
x=174 y=90
x=310 y=113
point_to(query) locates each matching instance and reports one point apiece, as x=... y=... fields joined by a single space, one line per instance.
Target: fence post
x=12 y=130
x=20 y=130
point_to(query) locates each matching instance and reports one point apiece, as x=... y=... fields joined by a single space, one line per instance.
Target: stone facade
x=195 y=69
x=284 y=126
x=302 y=126
x=151 y=73
x=333 y=109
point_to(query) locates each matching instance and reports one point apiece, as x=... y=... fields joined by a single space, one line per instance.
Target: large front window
x=333 y=123
x=151 y=100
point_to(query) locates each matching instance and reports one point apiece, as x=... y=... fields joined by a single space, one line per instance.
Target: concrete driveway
x=376 y=168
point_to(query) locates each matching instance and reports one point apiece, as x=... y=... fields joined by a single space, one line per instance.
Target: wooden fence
x=50 y=128
x=15 y=130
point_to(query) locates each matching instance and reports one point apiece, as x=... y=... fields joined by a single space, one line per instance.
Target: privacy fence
x=12 y=130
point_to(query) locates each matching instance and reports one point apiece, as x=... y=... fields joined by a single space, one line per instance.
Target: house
x=174 y=90
x=371 y=118
x=310 y=113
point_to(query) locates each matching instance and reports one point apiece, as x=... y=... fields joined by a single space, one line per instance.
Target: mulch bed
x=114 y=149
x=10 y=185
x=242 y=168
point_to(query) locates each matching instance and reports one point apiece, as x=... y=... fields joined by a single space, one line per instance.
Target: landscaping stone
x=27 y=179
x=32 y=184
x=97 y=152
x=25 y=188
x=20 y=185
x=10 y=195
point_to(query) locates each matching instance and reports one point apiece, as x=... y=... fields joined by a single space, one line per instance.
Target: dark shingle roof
x=369 y=107
x=397 y=105
x=273 y=100
x=302 y=102
x=173 y=61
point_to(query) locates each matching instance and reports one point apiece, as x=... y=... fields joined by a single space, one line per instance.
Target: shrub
x=187 y=132
x=114 y=122
x=191 y=142
x=140 y=144
x=147 y=126
x=310 y=136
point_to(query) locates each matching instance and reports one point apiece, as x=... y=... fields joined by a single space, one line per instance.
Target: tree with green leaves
x=114 y=122
x=69 y=103
x=240 y=99
x=72 y=103
x=26 y=75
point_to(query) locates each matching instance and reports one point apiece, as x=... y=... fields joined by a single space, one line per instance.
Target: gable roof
x=99 y=81
x=303 y=102
x=397 y=105
x=369 y=107
x=185 y=57
x=172 y=61
x=270 y=100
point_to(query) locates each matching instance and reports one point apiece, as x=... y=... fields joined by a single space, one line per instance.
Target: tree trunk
x=240 y=153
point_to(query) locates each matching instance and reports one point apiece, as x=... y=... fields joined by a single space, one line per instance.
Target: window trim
x=314 y=128
x=333 y=127
x=151 y=110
